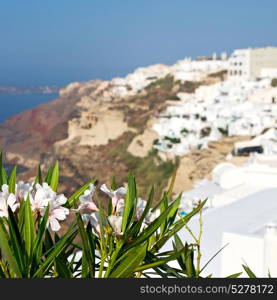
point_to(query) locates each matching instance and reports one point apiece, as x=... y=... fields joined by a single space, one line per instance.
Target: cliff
x=102 y=128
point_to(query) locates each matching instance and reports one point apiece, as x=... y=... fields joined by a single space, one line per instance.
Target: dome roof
x=227 y=175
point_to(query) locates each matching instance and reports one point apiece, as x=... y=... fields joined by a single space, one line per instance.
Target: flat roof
x=246 y=216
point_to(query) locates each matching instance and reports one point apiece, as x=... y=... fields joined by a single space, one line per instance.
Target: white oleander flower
x=22 y=190
x=44 y=196
x=116 y=222
x=88 y=209
x=57 y=213
x=40 y=198
x=116 y=195
x=94 y=221
x=7 y=200
x=140 y=208
x=120 y=207
x=87 y=206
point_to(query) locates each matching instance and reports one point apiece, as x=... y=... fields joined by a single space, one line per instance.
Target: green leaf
x=63 y=243
x=16 y=242
x=177 y=226
x=41 y=231
x=29 y=228
x=172 y=181
x=77 y=194
x=7 y=251
x=172 y=215
x=213 y=257
x=114 y=184
x=249 y=271
x=189 y=262
x=110 y=205
x=62 y=269
x=163 y=207
x=55 y=177
x=160 y=261
x=128 y=263
x=236 y=275
x=168 y=271
x=85 y=267
x=21 y=214
x=49 y=175
x=88 y=252
x=39 y=176
x=178 y=245
x=114 y=256
x=148 y=231
x=3 y=174
x=12 y=181
x=130 y=203
x=48 y=242
x=134 y=231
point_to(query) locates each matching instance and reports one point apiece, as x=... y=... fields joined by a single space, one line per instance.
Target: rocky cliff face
x=99 y=129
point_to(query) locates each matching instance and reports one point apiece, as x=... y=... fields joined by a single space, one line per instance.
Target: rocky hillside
x=104 y=128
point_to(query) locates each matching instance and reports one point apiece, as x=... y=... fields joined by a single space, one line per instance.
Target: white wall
x=248 y=63
x=242 y=249
x=262 y=58
x=269 y=72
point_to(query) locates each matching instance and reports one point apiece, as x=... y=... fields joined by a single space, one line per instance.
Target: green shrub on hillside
x=274 y=82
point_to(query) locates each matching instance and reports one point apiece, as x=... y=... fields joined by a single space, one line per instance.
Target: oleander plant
x=43 y=234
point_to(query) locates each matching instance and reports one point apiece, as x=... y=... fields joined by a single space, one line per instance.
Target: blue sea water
x=13 y=104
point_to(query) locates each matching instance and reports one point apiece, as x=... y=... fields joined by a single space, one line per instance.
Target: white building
x=249 y=63
x=240 y=213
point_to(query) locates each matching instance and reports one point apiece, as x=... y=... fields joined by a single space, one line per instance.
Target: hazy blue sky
x=58 y=41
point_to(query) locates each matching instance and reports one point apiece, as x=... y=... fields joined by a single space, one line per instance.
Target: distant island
x=16 y=89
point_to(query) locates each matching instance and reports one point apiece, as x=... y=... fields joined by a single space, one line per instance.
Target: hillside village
x=213 y=119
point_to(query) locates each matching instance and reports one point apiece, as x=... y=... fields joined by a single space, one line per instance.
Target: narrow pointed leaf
x=249 y=271
x=160 y=261
x=129 y=262
x=29 y=228
x=87 y=250
x=130 y=202
x=236 y=275
x=177 y=226
x=7 y=251
x=63 y=243
x=135 y=230
x=146 y=233
x=77 y=194
x=12 y=181
x=39 y=176
x=48 y=175
x=55 y=177
x=3 y=174
x=40 y=234
x=16 y=241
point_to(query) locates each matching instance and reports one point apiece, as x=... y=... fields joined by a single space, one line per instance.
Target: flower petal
x=54 y=224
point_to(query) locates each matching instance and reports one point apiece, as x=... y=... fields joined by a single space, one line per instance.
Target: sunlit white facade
x=249 y=63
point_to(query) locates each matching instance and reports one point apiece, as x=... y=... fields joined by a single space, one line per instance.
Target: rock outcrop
x=100 y=129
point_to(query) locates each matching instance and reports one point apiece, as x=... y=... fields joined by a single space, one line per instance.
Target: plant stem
x=199 y=242
x=101 y=265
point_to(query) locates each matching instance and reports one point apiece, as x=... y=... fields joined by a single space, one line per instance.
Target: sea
x=12 y=104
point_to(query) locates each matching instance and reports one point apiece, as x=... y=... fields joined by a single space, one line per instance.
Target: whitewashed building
x=250 y=63
x=240 y=214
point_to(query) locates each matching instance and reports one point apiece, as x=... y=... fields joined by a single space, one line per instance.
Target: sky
x=60 y=41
